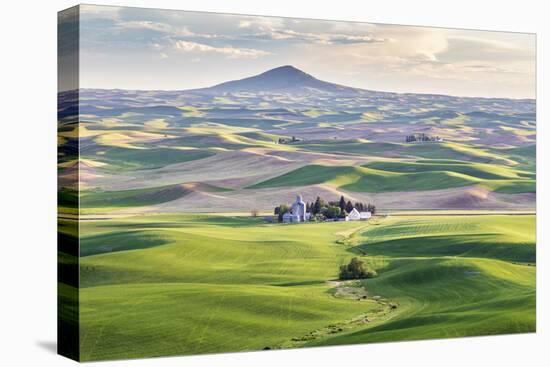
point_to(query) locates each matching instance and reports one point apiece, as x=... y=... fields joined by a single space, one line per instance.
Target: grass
x=184 y=284
x=450 y=288
x=510 y=238
x=160 y=284
x=141 y=197
x=129 y=198
x=479 y=170
x=399 y=176
x=525 y=156
x=125 y=159
x=444 y=150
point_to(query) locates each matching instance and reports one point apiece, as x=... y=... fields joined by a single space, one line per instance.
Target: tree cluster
x=356 y=269
x=347 y=206
x=322 y=210
x=421 y=137
x=287 y=140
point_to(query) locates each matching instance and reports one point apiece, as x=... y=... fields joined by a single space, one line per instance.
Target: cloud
x=319 y=38
x=466 y=48
x=282 y=30
x=371 y=56
x=244 y=24
x=344 y=38
x=230 y=52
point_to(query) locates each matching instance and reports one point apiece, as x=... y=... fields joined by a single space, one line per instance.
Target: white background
x=28 y=183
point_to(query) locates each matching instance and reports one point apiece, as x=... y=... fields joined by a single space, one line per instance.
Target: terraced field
x=184 y=284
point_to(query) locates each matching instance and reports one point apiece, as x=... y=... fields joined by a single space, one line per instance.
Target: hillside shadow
x=484 y=245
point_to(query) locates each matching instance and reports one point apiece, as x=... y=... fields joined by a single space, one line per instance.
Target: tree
x=282 y=210
x=356 y=269
x=371 y=208
x=254 y=213
x=342 y=203
x=349 y=206
x=332 y=212
x=318 y=206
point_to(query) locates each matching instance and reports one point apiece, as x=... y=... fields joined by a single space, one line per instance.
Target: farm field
x=181 y=253
x=214 y=196
x=167 y=284
x=192 y=151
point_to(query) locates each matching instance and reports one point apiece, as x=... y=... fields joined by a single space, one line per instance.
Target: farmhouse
x=357 y=215
x=297 y=212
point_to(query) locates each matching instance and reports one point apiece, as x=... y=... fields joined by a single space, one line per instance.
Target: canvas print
x=239 y=183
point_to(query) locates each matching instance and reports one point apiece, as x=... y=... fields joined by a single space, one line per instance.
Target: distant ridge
x=284 y=79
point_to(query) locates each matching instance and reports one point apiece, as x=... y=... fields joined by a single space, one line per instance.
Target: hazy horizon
x=151 y=49
x=320 y=78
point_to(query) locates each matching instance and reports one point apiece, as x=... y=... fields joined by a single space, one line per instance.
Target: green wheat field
x=178 y=213
x=185 y=284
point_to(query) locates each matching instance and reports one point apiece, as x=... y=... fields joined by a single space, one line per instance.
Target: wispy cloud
x=273 y=29
x=320 y=38
x=176 y=47
x=230 y=52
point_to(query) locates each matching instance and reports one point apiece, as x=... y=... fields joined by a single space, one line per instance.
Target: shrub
x=356 y=269
x=318 y=218
x=332 y=212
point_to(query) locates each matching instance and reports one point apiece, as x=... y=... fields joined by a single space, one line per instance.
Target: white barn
x=354 y=215
x=365 y=215
x=357 y=215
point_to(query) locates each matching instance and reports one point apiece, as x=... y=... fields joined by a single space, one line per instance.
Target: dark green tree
x=356 y=269
x=371 y=208
x=282 y=210
x=349 y=206
x=318 y=206
x=332 y=212
x=342 y=203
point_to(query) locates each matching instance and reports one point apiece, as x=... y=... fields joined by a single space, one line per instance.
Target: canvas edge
x=68 y=234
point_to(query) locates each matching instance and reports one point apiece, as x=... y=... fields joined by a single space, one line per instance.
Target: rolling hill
x=284 y=130
x=284 y=79
x=209 y=283
x=178 y=254
x=388 y=177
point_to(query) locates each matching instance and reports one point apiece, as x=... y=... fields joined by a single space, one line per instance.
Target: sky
x=136 y=48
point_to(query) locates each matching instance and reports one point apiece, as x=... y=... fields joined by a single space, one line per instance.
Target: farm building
x=357 y=215
x=298 y=212
x=365 y=215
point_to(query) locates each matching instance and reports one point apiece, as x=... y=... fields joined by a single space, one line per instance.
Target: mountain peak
x=282 y=79
x=285 y=69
